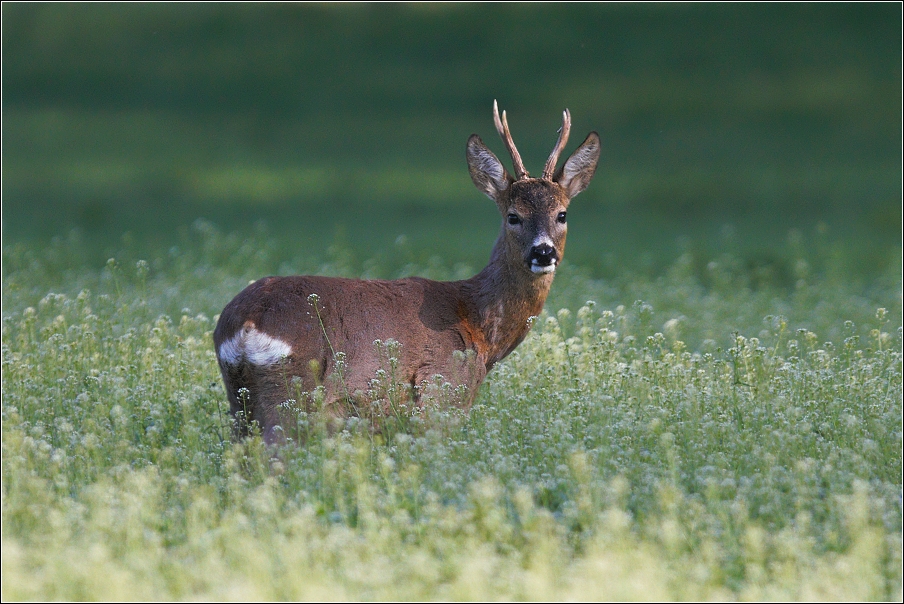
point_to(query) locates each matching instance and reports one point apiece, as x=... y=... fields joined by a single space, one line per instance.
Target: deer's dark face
x=535 y=224
x=533 y=209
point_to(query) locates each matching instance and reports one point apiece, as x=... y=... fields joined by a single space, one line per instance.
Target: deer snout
x=543 y=258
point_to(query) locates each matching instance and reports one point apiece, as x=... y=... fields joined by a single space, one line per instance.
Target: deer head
x=533 y=209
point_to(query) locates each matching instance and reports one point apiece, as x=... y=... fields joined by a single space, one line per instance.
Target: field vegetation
x=699 y=442
x=710 y=407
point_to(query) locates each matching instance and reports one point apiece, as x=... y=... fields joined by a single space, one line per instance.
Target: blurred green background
x=731 y=128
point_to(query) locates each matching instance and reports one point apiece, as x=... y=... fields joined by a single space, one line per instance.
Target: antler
x=550 y=167
x=503 y=130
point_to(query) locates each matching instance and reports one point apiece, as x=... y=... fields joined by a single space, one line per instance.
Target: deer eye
x=561 y=218
x=514 y=219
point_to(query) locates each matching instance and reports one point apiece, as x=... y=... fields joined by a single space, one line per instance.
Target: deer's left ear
x=575 y=175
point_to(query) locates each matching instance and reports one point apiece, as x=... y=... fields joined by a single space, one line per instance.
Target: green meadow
x=709 y=407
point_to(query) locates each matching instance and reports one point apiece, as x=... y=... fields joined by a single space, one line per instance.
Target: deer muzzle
x=543 y=258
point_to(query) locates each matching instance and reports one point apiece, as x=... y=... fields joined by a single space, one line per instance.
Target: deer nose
x=543 y=254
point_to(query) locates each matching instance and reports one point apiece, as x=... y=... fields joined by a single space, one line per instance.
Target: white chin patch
x=536 y=268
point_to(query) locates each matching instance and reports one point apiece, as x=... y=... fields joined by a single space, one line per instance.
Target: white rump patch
x=253 y=346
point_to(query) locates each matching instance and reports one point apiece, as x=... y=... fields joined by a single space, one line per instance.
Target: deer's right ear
x=486 y=170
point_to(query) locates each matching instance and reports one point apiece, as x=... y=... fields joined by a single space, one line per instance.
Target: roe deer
x=280 y=333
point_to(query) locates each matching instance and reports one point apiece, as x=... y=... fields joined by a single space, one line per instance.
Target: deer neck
x=504 y=297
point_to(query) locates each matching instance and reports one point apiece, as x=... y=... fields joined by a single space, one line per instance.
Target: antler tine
x=503 y=130
x=550 y=167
